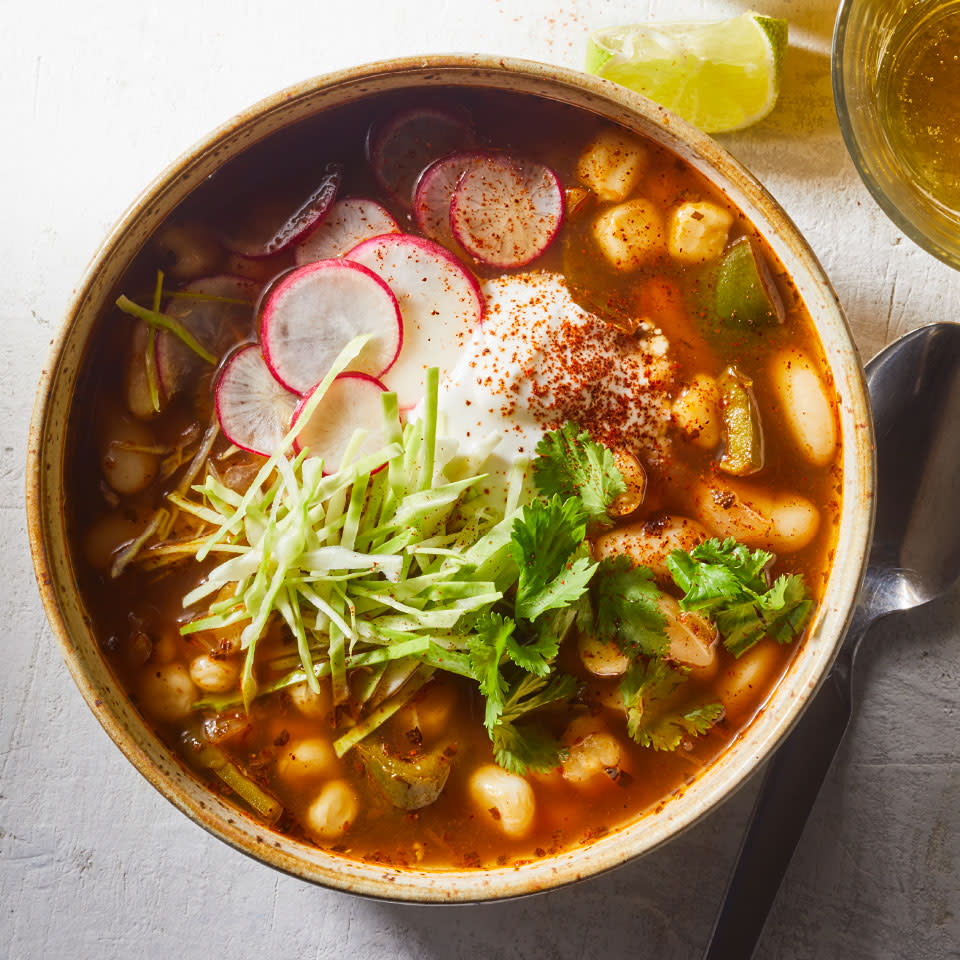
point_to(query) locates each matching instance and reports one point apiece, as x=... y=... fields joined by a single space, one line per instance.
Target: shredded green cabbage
x=381 y=561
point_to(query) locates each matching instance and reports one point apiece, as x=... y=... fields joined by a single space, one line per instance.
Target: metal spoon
x=915 y=390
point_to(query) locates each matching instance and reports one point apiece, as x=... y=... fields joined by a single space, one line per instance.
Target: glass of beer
x=896 y=85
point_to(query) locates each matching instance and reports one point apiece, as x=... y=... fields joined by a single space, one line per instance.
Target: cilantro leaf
x=786 y=607
x=646 y=683
x=714 y=571
x=670 y=730
x=701 y=719
x=545 y=538
x=626 y=609
x=519 y=748
x=531 y=693
x=570 y=464
x=485 y=649
x=748 y=565
x=740 y=626
x=703 y=584
x=566 y=588
x=653 y=680
x=727 y=581
x=536 y=654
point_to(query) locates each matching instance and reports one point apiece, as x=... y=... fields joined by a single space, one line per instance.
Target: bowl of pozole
x=452 y=479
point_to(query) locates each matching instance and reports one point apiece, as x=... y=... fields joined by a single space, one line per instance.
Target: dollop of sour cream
x=538 y=360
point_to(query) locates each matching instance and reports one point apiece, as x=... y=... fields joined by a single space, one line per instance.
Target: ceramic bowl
x=65 y=608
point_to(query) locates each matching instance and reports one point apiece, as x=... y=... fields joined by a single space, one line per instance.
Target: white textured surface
x=95 y=99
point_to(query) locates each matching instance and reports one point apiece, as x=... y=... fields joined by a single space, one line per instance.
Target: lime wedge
x=720 y=76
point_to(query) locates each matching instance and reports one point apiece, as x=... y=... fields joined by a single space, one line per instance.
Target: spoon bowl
x=915 y=388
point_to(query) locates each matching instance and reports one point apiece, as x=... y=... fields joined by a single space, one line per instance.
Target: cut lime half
x=719 y=76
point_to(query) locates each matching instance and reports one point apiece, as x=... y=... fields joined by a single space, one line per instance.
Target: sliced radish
x=440 y=301
x=267 y=227
x=404 y=145
x=253 y=409
x=315 y=310
x=431 y=202
x=216 y=324
x=506 y=211
x=348 y=223
x=352 y=402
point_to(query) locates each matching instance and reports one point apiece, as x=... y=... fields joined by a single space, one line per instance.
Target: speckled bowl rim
x=71 y=626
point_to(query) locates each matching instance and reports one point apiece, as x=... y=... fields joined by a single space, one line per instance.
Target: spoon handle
x=786 y=798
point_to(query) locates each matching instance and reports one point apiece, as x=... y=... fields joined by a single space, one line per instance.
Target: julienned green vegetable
x=201 y=753
x=396 y=562
x=155 y=320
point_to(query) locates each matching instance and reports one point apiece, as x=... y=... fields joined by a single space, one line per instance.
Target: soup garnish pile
x=466 y=492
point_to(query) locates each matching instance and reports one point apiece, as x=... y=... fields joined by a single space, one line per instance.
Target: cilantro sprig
x=486 y=648
x=570 y=464
x=548 y=547
x=625 y=609
x=617 y=601
x=512 y=651
x=519 y=747
x=643 y=686
x=727 y=581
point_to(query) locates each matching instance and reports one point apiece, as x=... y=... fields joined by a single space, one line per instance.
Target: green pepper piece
x=738 y=294
x=408 y=783
x=742 y=433
x=201 y=753
x=746 y=293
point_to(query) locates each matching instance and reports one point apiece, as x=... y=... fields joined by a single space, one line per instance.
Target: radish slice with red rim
x=352 y=402
x=440 y=301
x=400 y=148
x=348 y=223
x=431 y=202
x=222 y=315
x=315 y=310
x=506 y=210
x=253 y=409
x=268 y=227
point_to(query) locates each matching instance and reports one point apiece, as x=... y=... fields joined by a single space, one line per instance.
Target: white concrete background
x=95 y=99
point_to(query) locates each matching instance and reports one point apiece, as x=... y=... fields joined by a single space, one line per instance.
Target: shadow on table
x=660 y=906
x=800 y=139
x=878 y=871
x=813 y=19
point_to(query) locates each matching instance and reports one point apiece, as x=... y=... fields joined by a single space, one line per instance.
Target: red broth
x=137 y=615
